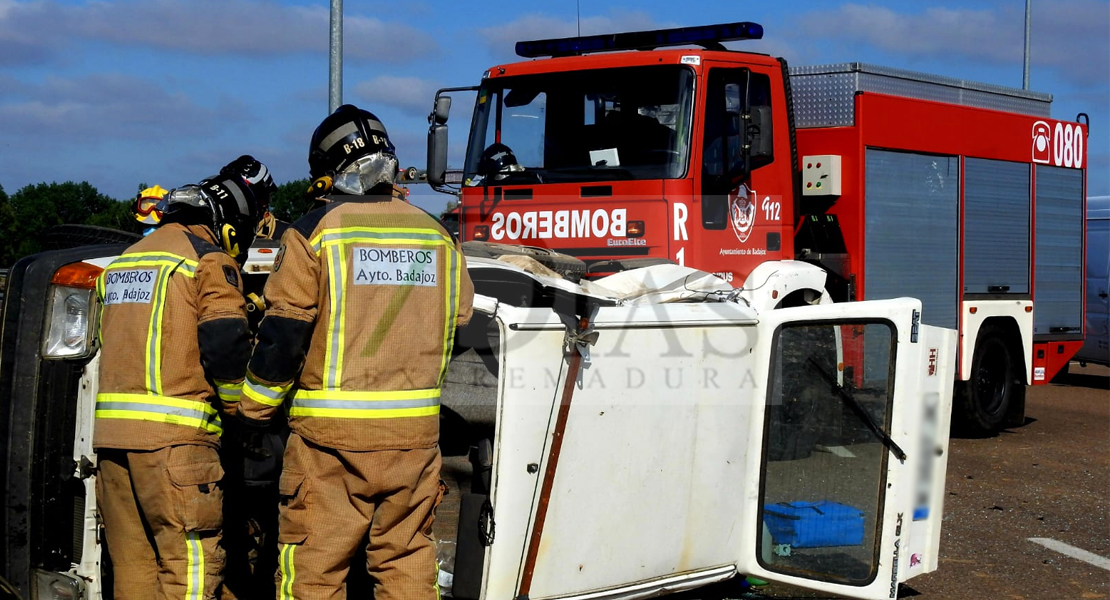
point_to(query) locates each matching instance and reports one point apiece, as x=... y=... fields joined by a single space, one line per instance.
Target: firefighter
x=366 y=294
x=251 y=458
x=174 y=348
x=262 y=184
x=146 y=209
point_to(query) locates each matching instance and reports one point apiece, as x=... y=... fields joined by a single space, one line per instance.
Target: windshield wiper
x=859 y=409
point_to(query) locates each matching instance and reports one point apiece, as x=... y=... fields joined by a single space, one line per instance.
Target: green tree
x=290 y=202
x=37 y=208
x=117 y=215
x=7 y=230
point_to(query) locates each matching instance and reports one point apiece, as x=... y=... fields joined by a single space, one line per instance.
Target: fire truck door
x=852 y=448
x=741 y=195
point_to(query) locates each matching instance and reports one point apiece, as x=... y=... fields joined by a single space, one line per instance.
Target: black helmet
x=498 y=161
x=257 y=176
x=223 y=202
x=352 y=146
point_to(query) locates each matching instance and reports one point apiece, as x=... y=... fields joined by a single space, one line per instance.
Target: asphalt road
x=1047 y=479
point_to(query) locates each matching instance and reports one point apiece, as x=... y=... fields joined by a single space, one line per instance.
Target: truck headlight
x=70 y=320
x=57 y=586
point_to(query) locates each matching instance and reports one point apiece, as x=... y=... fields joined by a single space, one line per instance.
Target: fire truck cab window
x=611 y=124
x=730 y=94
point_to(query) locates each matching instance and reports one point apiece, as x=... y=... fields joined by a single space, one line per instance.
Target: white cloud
x=501 y=39
x=1069 y=35
x=411 y=95
x=262 y=28
x=103 y=107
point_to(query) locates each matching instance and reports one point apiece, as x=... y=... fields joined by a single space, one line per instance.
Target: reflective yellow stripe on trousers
x=158 y=409
x=194 y=567
x=288 y=571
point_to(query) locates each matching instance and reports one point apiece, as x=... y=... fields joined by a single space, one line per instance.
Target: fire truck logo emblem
x=741 y=212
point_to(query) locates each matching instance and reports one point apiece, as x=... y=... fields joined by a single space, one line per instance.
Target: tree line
x=27 y=215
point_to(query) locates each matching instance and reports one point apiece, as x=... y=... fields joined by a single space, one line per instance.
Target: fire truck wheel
x=984 y=400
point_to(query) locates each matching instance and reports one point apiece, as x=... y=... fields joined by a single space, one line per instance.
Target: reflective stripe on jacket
x=174 y=339
x=368 y=293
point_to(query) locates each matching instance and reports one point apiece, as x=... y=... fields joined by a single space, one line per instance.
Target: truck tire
x=568 y=266
x=984 y=401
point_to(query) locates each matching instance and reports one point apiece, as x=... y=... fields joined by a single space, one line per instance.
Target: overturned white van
x=649 y=432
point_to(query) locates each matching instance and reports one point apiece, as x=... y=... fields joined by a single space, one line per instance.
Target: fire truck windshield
x=596 y=125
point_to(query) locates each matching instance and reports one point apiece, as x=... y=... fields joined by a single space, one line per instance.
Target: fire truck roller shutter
x=912 y=204
x=996 y=227
x=1058 y=305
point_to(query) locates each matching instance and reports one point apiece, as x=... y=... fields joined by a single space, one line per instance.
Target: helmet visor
x=188 y=195
x=362 y=175
x=146 y=210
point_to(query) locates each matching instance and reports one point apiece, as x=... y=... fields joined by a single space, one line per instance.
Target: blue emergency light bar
x=706 y=36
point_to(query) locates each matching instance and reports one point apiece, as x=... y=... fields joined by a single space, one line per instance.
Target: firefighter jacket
x=366 y=292
x=174 y=338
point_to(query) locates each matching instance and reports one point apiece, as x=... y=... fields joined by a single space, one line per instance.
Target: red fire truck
x=621 y=150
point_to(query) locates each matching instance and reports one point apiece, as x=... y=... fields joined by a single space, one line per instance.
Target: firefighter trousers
x=162 y=517
x=332 y=499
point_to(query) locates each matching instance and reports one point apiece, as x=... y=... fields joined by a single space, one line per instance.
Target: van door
x=849 y=448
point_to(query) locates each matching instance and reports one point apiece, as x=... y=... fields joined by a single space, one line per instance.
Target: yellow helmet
x=145 y=206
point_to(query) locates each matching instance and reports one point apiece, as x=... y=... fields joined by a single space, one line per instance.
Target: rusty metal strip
x=573 y=366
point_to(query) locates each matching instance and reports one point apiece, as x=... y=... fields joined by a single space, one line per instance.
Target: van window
x=824 y=469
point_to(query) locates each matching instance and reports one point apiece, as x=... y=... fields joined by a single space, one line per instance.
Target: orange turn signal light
x=481 y=233
x=79 y=274
x=973 y=310
x=1028 y=309
x=635 y=229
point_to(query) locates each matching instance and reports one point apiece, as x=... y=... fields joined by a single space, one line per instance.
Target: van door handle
x=1102 y=294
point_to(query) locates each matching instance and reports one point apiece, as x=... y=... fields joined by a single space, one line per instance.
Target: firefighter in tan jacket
x=366 y=293
x=174 y=339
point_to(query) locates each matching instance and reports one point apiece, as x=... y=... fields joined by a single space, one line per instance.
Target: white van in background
x=1096 y=348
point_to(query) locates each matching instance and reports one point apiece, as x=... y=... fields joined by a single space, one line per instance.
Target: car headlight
x=70 y=322
x=57 y=586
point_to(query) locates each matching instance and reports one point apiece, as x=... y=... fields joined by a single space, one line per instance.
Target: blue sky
x=117 y=92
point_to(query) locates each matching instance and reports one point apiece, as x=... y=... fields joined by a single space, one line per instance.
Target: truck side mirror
x=437 y=154
x=759 y=139
x=441 y=111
